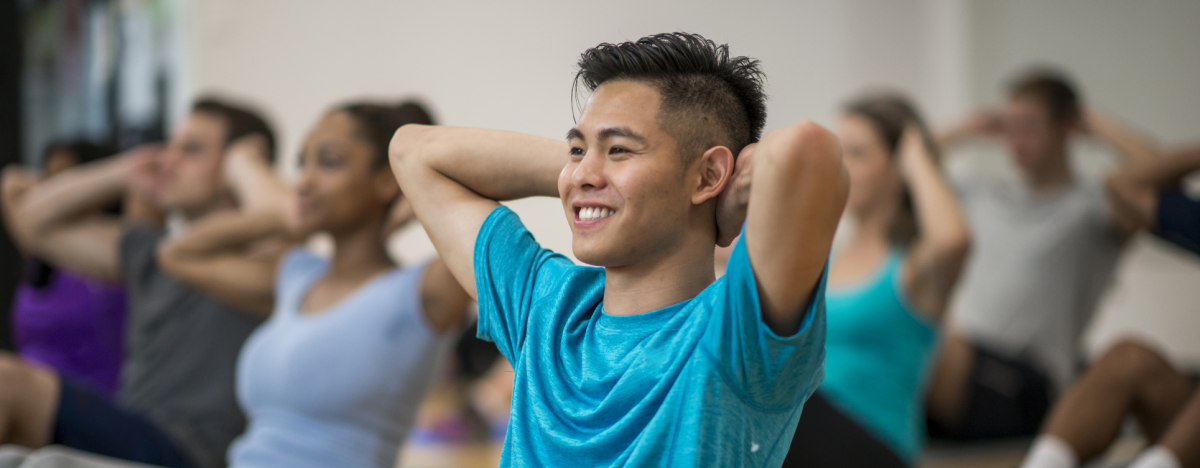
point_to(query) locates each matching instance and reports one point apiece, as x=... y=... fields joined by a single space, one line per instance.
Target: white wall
x=509 y=65
x=1138 y=59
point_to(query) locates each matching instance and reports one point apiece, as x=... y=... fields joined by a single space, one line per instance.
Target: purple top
x=74 y=325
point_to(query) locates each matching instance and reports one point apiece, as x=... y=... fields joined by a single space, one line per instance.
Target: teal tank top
x=878 y=353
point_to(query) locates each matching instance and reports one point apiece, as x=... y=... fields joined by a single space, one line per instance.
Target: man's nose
x=590 y=172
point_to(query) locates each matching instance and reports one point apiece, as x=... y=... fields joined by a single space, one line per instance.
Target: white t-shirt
x=1039 y=263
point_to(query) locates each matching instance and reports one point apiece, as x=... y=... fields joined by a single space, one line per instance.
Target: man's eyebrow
x=612 y=132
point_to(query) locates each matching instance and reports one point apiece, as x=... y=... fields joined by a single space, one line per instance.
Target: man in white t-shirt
x=1044 y=251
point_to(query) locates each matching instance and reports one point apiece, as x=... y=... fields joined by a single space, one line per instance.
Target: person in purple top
x=72 y=324
x=62 y=319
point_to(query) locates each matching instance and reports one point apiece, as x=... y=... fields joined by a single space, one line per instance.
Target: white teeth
x=594 y=213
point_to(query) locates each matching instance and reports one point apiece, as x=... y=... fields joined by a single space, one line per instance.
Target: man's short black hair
x=240 y=121
x=708 y=98
x=1051 y=88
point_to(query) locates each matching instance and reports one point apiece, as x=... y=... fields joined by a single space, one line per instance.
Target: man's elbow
x=956 y=245
x=406 y=144
x=808 y=149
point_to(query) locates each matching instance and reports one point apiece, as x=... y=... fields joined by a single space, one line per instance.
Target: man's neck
x=675 y=276
x=1056 y=173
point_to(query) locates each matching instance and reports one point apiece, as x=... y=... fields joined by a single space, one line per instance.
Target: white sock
x=1156 y=457
x=1050 y=452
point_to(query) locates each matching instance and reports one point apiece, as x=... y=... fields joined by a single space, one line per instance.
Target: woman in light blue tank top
x=335 y=376
x=888 y=287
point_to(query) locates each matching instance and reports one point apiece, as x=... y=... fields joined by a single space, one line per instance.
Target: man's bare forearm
x=1167 y=170
x=1133 y=146
x=72 y=193
x=799 y=189
x=225 y=232
x=494 y=164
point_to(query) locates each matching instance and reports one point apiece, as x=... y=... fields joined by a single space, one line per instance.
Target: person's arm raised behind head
x=1133 y=189
x=797 y=191
x=455 y=177
x=982 y=122
x=936 y=256
x=15 y=182
x=234 y=256
x=1132 y=146
x=58 y=218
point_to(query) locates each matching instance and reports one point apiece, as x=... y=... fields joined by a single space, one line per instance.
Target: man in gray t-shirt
x=1043 y=253
x=181 y=354
x=176 y=405
x=1040 y=263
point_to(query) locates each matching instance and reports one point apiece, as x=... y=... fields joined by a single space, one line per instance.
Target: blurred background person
x=888 y=289
x=1044 y=251
x=69 y=322
x=1133 y=378
x=176 y=404
x=371 y=334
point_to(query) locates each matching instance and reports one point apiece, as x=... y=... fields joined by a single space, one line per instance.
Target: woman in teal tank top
x=888 y=287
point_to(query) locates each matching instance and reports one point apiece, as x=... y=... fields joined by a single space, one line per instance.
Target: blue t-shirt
x=700 y=383
x=878 y=354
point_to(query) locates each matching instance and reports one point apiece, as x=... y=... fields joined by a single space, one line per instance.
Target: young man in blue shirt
x=647 y=361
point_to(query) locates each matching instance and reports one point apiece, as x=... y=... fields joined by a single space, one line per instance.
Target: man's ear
x=716 y=170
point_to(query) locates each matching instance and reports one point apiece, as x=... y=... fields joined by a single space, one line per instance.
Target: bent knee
x=1131 y=359
x=11 y=364
x=16 y=374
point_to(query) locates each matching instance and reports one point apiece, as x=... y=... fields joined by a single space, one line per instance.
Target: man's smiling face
x=623 y=190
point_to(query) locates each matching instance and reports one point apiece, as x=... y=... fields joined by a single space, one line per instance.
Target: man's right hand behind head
x=144 y=170
x=250 y=177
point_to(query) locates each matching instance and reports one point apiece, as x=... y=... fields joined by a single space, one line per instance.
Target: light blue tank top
x=339 y=388
x=878 y=353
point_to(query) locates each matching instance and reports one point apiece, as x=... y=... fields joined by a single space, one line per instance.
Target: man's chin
x=587 y=258
x=591 y=255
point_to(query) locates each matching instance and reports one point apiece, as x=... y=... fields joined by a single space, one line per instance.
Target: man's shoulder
x=136 y=236
x=137 y=247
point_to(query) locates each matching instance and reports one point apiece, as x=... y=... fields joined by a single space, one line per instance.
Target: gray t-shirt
x=180 y=354
x=1039 y=263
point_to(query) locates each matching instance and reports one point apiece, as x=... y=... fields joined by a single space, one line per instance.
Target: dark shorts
x=1006 y=397
x=828 y=437
x=1179 y=219
x=91 y=422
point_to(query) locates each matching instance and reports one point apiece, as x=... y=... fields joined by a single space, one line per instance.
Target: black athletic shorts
x=91 y=422
x=1006 y=397
x=1179 y=219
x=826 y=437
